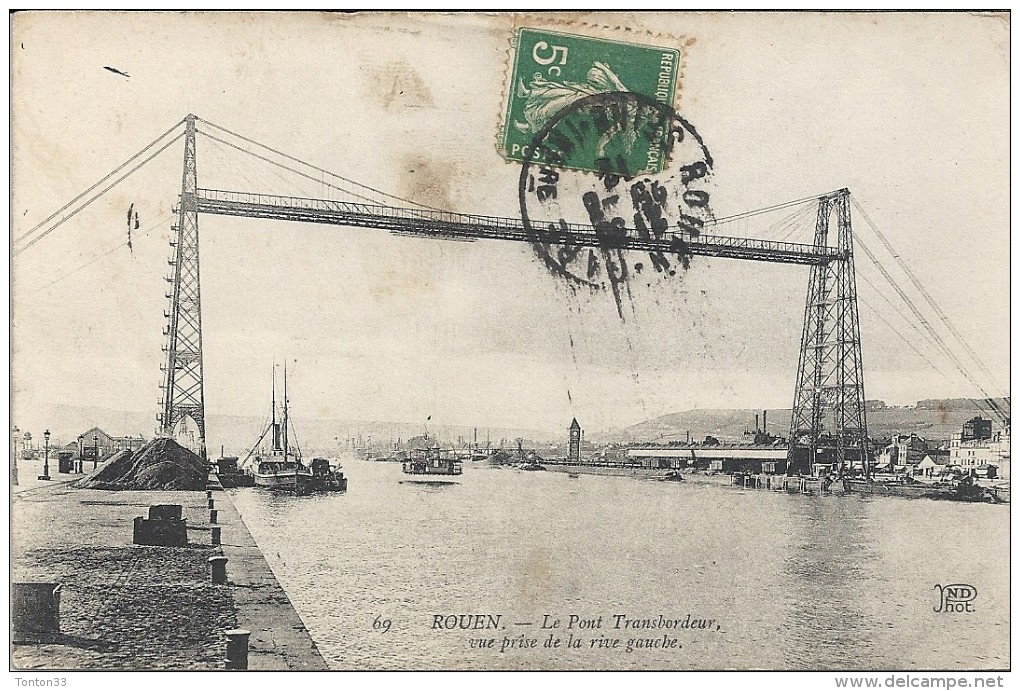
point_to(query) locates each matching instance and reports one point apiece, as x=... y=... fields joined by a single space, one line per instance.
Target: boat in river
x=999 y=493
x=531 y=459
x=964 y=489
x=229 y=475
x=433 y=462
x=280 y=468
x=327 y=477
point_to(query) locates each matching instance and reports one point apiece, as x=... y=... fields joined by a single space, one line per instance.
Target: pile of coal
x=160 y=464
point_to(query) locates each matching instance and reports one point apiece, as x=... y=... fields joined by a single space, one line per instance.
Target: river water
x=788 y=581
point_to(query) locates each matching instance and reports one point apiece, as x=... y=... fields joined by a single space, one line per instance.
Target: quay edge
x=131 y=607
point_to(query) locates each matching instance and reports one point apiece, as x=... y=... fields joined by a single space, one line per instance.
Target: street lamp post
x=95 y=448
x=46 y=457
x=14 y=458
x=81 y=454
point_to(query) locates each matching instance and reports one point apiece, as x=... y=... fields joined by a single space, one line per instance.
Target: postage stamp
x=552 y=70
x=662 y=197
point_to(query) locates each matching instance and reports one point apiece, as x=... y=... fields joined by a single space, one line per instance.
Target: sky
x=908 y=111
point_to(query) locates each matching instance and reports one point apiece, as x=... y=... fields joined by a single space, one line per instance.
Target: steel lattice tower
x=183 y=388
x=828 y=405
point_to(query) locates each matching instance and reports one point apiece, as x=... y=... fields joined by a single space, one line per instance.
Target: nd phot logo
x=958 y=597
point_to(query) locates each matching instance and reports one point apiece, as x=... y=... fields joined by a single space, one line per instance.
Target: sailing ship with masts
x=281 y=468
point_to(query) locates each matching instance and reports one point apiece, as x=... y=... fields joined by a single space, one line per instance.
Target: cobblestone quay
x=125 y=606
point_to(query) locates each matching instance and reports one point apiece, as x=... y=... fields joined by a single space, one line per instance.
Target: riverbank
x=995 y=491
x=126 y=606
x=640 y=472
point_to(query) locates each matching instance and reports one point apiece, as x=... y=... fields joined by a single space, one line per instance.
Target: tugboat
x=326 y=478
x=433 y=462
x=229 y=474
x=281 y=468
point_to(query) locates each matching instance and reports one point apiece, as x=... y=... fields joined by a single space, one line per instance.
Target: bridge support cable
x=964 y=344
x=62 y=217
x=800 y=219
x=932 y=336
x=917 y=335
x=219 y=162
x=288 y=168
x=316 y=168
x=910 y=342
x=767 y=209
x=109 y=250
x=795 y=223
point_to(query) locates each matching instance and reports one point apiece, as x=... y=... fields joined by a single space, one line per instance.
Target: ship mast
x=276 y=428
x=285 y=445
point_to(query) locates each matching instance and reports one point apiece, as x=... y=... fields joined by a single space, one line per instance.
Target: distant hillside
x=932 y=418
x=237 y=432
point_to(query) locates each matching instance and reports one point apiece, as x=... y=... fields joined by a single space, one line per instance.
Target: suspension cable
x=933 y=335
x=96 y=196
x=162 y=219
x=908 y=341
x=285 y=167
x=925 y=294
x=104 y=179
x=898 y=313
x=317 y=168
x=766 y=209
x=794 y=221
x=981 y=407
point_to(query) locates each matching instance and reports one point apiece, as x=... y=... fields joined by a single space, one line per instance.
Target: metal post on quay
x=46 y=457
x=237 y=649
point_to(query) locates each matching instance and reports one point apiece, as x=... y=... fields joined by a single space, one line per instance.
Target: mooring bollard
x=237 y=649
x=216 y=534
x=218 y=568
x=35 y=610
x=213 y=514
x=212 y=503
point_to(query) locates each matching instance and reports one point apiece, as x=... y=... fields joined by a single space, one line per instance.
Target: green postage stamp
x=552 y=71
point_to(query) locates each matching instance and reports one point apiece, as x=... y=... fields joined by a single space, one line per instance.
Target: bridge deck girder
x=442 y=224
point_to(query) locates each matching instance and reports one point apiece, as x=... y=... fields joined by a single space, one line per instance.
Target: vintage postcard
x=511 y=341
